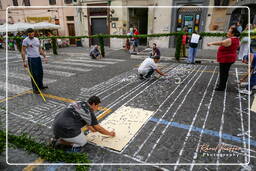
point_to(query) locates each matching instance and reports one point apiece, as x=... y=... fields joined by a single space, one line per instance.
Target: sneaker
x=36 y=92
x=244 y=84
x=244 y=91
x=141 y=76
x=44 y=87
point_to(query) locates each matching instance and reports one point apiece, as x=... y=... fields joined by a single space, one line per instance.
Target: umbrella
x=16 y=27
x=45 y=25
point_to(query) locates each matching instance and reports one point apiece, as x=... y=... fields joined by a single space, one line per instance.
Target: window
x=15 y=2
x=68 y=1
x=26 y=2
x=1 y=5
x=52 y=2
x=70 y=18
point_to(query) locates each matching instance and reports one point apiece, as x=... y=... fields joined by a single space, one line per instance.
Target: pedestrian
x=68 y=124
x=239 y=27
x=184 y=42
x=226 y=55
x=31 y=47
x=251 y=72
x=95 y=53
x=193 y=44
x=135 y=40
x=244 y=47
x=155 y=51
x=148 y=67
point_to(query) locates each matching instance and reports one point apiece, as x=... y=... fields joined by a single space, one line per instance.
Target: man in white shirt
x=31 y=47
x=148 y=66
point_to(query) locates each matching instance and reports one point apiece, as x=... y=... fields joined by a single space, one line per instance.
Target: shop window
x=52 y=2
x=189 y=19
x=68 y=1
x=70 y=18
x=26 y=2
x=15 y=2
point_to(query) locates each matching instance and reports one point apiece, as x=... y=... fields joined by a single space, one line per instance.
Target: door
x=99 y=26
x=71 y=32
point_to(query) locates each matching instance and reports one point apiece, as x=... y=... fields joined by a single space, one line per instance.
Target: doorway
x=138 y=17
x=71 y=32
x=99 y=26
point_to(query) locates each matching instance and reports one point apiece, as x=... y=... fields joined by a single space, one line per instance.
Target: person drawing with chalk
x=148 y=67
x=68 y=124
x=31 y=47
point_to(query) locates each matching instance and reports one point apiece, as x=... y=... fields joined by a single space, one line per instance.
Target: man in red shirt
x=136 y=40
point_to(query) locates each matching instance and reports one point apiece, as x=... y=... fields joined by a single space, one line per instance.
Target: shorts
x=136 y=42
x=78 y=141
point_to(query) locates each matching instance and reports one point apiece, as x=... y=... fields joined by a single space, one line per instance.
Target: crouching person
x=68 y=124
x=148 y=67
x=95 y=52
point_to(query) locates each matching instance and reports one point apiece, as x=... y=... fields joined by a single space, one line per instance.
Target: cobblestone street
x=188 y=113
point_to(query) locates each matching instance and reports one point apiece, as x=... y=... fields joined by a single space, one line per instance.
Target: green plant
x=102 y=49
x=54 y=46
x=48 y=153
x=178 y=45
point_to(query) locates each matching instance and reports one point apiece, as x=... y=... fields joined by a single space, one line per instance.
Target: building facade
x=61 y=16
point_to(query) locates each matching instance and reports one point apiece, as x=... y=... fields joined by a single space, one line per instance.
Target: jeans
x=223 y=75
x=36 y=70
x=252 y=82
x=191 y=55
x=150 y=72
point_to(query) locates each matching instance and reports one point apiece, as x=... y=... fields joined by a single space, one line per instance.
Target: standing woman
x=226 y=55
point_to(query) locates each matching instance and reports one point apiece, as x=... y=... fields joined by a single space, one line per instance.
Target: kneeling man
x=68 y=124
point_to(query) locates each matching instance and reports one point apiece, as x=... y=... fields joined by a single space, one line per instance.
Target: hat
x=245 y=58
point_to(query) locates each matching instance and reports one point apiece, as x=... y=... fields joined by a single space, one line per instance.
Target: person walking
x=135 y=41
x=244 y=47
x=226 y=55
x=31 y=47
x=193 y=44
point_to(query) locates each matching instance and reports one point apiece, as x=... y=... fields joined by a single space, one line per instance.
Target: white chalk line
x=193 y=121
x=140 y=147
x=201 y=133
x=90 y=61
x=109 y=88
x=111 y=82
x=174 y=114
x=130 y=92
x=221 y=124
x=241 y=116
x=77 y=64
x=29 y=119
x=167 y=98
